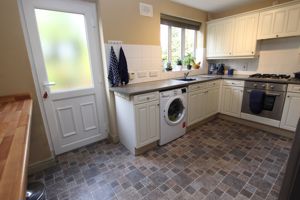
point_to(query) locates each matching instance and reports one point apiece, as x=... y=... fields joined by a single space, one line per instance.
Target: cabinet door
x=265 y=26
x=232 y=101
x=282 y=22
x=147 y=123
x=220 y=38
x=292 y=26
x=272 y=23
x=224 y=38
x=197 y=106
x=279 y=22
x=212 y=102
x=291 y=112
x=211 y=40
x=245 y=35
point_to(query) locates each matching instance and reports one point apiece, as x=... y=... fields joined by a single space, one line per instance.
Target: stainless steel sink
x=186 y=79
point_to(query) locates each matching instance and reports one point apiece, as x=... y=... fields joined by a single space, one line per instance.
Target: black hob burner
x=271 y=76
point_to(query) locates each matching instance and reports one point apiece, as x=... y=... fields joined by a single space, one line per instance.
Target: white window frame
x=182 y=43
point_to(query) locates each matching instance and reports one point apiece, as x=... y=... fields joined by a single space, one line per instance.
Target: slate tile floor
x=219 y=160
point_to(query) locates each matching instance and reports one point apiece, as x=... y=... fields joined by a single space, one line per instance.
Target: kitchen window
x=178 y=39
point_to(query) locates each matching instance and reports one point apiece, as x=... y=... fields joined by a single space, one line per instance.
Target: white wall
x=279 y=56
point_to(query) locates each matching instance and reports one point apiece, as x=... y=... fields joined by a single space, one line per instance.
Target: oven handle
x=267 y=93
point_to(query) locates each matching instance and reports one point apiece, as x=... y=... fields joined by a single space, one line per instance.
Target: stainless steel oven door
x=273 y=104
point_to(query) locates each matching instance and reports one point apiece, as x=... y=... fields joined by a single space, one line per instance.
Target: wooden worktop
x=15 y=118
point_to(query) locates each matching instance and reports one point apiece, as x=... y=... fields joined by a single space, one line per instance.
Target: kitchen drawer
x=213 y=84
x=143 y=98
x=198 y=86
x=235 y=83
x=293 y=88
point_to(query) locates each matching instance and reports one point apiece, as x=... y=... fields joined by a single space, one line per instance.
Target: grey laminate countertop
x=161 y=85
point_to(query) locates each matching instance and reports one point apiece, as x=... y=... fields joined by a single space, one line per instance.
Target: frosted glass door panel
x=65 y=49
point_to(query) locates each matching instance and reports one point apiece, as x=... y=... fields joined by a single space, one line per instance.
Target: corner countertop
x=161 y=85
x=15 y=118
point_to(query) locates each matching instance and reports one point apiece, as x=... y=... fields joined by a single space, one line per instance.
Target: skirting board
x=41 y=165
x=113 y=138
x=270 y=129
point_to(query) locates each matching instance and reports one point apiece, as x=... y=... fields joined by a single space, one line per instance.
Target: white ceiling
x=215 y=5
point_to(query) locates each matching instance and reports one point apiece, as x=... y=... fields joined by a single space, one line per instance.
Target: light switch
x=153 y=74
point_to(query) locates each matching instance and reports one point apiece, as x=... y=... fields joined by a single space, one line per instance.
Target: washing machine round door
x=175 y=111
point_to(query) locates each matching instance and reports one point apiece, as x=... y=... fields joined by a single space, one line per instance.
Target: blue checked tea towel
x=113 y=71
x=123 y=69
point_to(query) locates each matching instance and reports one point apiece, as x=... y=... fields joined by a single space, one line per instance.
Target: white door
x=211 y=39
x=265 y=26
x=232 y=101
x=291 y=112
x=197 y=106
x=63 y=38
x=245 y=35
x=224 y=38
x=292 y=27
x=147 y=123
x=212 y=101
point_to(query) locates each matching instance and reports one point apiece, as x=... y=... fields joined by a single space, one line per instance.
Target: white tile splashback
x=144 y=63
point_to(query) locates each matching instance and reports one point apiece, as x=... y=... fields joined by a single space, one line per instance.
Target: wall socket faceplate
x=142 y=74
x=153 y=74
x=131 y=76
x=114 y=42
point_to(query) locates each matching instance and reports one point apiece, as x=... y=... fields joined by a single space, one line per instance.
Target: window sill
x=180 y=69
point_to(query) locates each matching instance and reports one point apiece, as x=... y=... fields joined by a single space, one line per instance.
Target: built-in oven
x=272 y=103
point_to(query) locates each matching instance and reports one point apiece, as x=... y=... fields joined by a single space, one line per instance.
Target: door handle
x=45 y=95
x=268 y=93
x=48 y=84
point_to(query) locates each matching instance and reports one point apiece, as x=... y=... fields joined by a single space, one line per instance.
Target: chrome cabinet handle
x=268 y=93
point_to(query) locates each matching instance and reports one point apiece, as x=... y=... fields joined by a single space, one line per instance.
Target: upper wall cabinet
x=281 y=22
x=245 y=35
x=232 y=37
x=219 y=38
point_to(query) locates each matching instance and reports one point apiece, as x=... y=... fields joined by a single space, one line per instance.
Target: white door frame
x=38 y=88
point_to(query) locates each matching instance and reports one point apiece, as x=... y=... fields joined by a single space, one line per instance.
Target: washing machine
x=173 y=112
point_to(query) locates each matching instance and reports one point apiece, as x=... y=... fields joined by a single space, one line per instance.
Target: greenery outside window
x=178 y=39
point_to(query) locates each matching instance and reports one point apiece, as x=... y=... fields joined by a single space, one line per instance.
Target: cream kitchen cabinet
x=280 y=22
x=291 y=110
x=232 y=37
x=213 y=97
x=232 y=96
x=220 y=38
x=245 y=30
x=197 y=106
x=203 y=101
x=138 y=119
